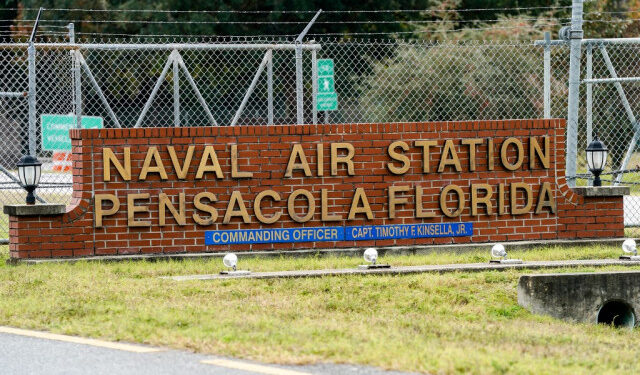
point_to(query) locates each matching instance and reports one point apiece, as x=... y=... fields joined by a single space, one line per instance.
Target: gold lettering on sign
x=100 y=212
x=320 y=159
x=236 y=200
x=234 y=164
x=152 y=153
x=449 y=157
x=291 y=205
x=502 y=210
x=360 y=205
x=324 y=205
x=472 y=143
x=257 y=209
x=545 y=199
x=209 y=154
x=165 y=203
x=514 y=198
x=420 y=212
x=346 y=159
x=213 y=213
x=132 y=209
x=109 y=157
x=485 y=199
x=425 y=153
x=181 y=172
x=443 y=200
x=490 y=165
x=297 y=153
x=534 y=149
x=395 y=200
x=504 y=153
x=398 y=157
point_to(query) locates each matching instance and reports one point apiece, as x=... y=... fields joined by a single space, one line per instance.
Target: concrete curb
x=467 y=267
x=354 y=252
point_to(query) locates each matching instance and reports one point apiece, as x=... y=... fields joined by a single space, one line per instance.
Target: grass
x=450 y=324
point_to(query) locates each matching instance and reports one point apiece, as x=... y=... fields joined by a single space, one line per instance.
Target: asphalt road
x=34 y=356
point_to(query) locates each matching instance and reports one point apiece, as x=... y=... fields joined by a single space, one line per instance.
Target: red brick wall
x=265 y=150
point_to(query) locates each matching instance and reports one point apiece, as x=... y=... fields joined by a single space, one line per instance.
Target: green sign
x=325 y=67
x=327 y=102
x=55 y=130
x=326 y=99
x=326 y=85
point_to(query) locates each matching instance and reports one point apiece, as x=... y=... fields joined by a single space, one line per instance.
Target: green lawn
x=451 y=323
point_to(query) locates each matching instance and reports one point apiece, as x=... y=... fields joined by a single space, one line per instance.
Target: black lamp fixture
x=596 y=159
x=29 y=174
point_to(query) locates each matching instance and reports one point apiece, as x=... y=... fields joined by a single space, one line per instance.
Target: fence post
x=270 y=88
x=299 y=93
x=31 y=97
x=77 y=78
x=176 y=94
x=547 y=74
x=314 y=85
x=589 y=75
x=575 y=35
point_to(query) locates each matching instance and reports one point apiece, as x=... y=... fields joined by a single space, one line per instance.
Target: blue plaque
x=350 y=233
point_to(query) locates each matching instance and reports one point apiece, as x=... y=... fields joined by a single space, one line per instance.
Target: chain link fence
x=253 y=82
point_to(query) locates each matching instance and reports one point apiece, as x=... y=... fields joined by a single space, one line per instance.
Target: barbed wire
x=295 y=11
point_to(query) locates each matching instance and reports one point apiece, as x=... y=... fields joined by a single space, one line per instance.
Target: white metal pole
x=574 y=89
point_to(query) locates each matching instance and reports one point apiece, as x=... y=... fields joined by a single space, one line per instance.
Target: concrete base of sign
x=373 y=266
x=354 y=252
x=506 y=261
x=607 y=297
x=235 y=273
x=632 y=258
x=34 y=209
x=404 y=270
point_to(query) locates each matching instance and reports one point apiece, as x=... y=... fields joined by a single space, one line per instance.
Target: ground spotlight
x=371 y=256
x=629 y=247
x=499 y=255
x=231 y=261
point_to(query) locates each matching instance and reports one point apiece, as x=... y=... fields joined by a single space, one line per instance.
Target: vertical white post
x=547 y=75
x=574 y=89
x=270 y=88
x=31 y=97
x=589 y=98
x=299 y=93
x=314 y=85
x=176 y=94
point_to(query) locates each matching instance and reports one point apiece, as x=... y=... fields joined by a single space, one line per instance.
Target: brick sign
x=207 y=189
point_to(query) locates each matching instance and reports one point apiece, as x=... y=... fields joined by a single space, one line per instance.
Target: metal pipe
x=299 y=79
x=589 y=98
x=610 y=80
x=314 y=86
x=203 y=103
x=164 y=47
x=93 y=81
x=252 y=86
x=547 y=75
x=574 y=88
x=628 y=110
x=270 y=88
x=176 y=94
x=14 y=94
x=35 y=26
x=147 y=105
x=32 y=98
x=77 y=80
